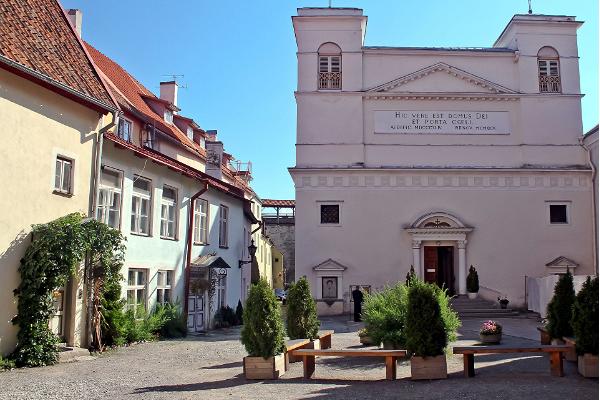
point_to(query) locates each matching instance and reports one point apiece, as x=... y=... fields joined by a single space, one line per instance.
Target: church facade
x=438 y=158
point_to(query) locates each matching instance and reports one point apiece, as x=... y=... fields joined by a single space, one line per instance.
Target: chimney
x=168 y=92
x=214 y=157
x=211 y=135
x=75 y=17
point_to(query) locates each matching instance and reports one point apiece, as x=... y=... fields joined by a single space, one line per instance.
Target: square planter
x=366 y=340
x=315 y=344
x=587 y=365
x=428 y=367
x=261 y=368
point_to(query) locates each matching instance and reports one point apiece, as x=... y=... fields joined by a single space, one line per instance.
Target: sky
x=238 y=58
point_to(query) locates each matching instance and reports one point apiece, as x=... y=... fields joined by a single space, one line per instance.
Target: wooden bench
x=325 y=339
x=391 y=357
x=291 y=345
x=556 y=362
x=570 y=355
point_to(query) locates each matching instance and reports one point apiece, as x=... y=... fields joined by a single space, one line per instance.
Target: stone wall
x=283 y=236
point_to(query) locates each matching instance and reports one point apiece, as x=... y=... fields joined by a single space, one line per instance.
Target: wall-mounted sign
x=443 y=122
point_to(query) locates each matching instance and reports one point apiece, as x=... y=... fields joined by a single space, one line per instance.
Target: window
x=150 y=138
x=137 y=285
x=330 y=67
x=559 y=213
x=190 y=133
x=140 y=206
x=124 y=131
x=164 y=280
x=168 y=213
x=201 y=221
x=109 y=199
x=223 y=221
x=63 y=176
x=220 y=289
x=548 y=70
x=330 y=213
x=330 y=285
x=169 y=116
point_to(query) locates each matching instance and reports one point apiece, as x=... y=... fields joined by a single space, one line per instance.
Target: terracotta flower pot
x=490 y=339
x=264 y=368
x=472 y=295
x=428 y=367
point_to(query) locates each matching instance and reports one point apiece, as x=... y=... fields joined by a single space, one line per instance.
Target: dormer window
x=190 y=133
x=549 y=70
x=169 y=116
x=330 y=67
x=124 y=131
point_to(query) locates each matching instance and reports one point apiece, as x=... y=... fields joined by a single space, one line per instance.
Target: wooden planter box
x=261 y=368
x=544 y=335
x=587 y=365
x=366 y=340
x=428 y=367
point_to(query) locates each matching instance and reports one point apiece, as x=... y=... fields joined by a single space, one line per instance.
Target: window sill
x=223 y=247
x=63 y=194
x=140 y=234
x=201 y=244
x=169 y=238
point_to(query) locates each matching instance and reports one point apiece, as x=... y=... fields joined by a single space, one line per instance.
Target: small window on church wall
x=330 y=67
x=330 y=213
x=549 y=70
x=558 y=214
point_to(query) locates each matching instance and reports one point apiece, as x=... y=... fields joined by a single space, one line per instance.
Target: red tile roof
x=38 y=37
x=278 y=203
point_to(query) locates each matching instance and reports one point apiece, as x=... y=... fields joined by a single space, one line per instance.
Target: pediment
x=562 y=262
x=441 y=78
x=330 y=265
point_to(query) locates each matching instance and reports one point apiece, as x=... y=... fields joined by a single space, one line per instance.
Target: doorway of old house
x=438 y=266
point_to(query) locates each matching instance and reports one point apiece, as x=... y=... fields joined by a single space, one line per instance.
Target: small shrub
x=225 y=317
x=113 y=317
x=174 y=324
x=384 y=314
x=302 y=321
x=6 y=363
x=472 y=280
x=239 y=313
x=560 y=308
x=585 y=318
x=263 y=333
x=410 y=275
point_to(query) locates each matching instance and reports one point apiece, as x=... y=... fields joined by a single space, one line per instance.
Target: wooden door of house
x=196 y=313
x=430 y=264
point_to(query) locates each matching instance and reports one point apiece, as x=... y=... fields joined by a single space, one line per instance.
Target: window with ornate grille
x=330 y=72
x=330 y=213
x=549 y=70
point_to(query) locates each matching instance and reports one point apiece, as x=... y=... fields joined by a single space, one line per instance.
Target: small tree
x=263 y=333
x=425 y=331
x=585 y=318
x=302 y=321
x=239 y=313
x=472 y=280
x=384 y=314
x=410 y=275
x=560 y=308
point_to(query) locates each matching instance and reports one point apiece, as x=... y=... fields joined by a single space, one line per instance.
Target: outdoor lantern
x=252 y=250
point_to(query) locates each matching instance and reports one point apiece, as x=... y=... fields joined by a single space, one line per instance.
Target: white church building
x=439 y=158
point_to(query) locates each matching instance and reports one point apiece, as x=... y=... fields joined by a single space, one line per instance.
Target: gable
x=330 y=265
x=441 y=78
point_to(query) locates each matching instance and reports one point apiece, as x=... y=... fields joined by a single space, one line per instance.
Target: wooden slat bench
x=291 y=345
x=468 y=352
x=391 y=357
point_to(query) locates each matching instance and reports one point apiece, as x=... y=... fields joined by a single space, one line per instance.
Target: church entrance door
x=438 y=266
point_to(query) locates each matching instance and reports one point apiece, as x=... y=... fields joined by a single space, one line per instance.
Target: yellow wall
x=263 y=256
x=278 y=277
x=36 y=125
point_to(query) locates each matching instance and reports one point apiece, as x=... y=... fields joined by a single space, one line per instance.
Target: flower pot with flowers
x=490 y=332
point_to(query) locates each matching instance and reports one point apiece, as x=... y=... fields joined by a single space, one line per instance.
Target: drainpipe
x=594 y=211
x=190 y=243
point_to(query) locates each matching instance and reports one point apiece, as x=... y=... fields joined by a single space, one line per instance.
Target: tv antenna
x=175 y=78
x=329 y=3
x=529 y=1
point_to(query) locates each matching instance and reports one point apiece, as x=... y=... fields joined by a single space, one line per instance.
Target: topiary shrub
x=263 y=333
x=472 y=280
x=585 y=318
x=560 y=308
x=384 y=314
x=410 y=275
x=239 y=313
x=302 y=322
x=426 y=331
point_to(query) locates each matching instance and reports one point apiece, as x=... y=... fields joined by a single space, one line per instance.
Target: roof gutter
x=594 y=211
x=98 y=161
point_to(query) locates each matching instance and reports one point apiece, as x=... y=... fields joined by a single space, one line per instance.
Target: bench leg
x=309 y=366
x=287 y=360
x=469 y=365
x=556 y=364
x=390 y=368
x=325 y=342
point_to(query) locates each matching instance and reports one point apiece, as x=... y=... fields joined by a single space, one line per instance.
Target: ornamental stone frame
x=440 y=228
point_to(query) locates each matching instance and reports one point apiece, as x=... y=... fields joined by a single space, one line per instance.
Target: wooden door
x=430 y=264
x=196 y=313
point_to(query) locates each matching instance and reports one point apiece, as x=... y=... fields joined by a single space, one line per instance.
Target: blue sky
x=239 y=61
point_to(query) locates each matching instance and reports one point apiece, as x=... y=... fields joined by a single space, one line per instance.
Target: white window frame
x=150 y=139
x=223 y=226
x=106 y=199
x=137 y=198
x=120 y=131
x=221 y=292
x=165 y=205
x=190 y=133
x=164 y=282
x=135 y=287
x=168 y=115
x=329 y=203
x=59 y=174
x=567 y=205
x=201 y=230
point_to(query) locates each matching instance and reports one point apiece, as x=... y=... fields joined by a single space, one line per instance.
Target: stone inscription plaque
x=443 y=122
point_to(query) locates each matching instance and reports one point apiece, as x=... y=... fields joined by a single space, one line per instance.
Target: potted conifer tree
x=263 y=334
x=302 y=321
x=585 y=327
x=559 y=310
x=472 y=283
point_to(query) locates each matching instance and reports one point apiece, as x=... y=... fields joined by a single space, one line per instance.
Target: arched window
x=330 y=66
x=549 y=70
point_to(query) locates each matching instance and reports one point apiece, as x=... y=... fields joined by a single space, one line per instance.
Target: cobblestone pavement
x=211 y=367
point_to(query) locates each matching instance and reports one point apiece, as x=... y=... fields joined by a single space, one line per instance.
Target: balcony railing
x=549 y=84
x=330 y=80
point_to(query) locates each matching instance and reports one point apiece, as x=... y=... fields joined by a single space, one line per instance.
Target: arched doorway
x=439 y=241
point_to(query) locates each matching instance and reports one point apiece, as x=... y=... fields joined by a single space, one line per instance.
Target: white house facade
x=439 y=158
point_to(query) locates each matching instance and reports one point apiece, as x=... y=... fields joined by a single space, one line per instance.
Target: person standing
x=357 y=297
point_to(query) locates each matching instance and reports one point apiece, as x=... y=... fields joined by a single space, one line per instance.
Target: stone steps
x=480 y=308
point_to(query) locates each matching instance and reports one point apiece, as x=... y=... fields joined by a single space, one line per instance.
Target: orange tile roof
x=130 y=94
x=38 y=37
x=278 y=203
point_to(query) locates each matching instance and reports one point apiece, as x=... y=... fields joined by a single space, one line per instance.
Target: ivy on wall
x=56 y=251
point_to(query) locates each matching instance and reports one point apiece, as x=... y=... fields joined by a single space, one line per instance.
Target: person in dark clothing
x=357 y=297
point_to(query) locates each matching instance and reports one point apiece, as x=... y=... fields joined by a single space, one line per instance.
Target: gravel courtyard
x=211 y=367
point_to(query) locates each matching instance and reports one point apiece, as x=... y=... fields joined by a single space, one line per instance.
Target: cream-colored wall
x=37 y=125
x=278 y=278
